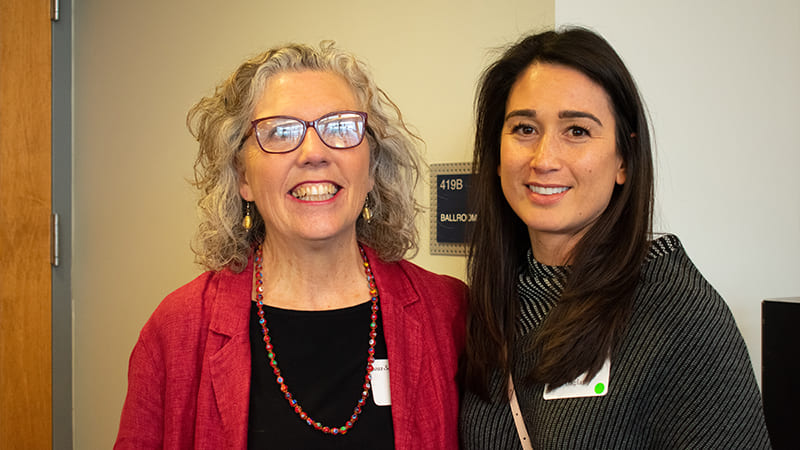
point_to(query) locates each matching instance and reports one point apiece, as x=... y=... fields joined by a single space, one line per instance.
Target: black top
x=322 y=356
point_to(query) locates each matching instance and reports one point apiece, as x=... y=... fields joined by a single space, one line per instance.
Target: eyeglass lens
x=336 y=130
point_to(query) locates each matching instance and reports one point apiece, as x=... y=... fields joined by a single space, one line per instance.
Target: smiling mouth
x=315 y=192
x=547 y=190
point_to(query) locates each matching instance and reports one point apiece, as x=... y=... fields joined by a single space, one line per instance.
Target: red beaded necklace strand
x=373 y=326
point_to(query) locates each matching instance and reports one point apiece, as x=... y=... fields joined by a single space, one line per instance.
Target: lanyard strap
x=515 y=412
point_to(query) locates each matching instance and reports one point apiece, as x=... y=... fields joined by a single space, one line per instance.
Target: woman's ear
x=245 y=192
x=622 y=170
x=622 y=174
x=244 y=186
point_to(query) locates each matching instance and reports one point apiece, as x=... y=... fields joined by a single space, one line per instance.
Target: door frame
x=61 y=309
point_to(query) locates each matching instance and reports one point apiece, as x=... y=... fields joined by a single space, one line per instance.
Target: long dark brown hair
x=590 y=317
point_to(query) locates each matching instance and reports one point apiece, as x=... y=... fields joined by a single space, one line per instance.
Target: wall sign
x=450 y=213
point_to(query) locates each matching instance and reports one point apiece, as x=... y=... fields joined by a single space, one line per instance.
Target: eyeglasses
x=283 y=134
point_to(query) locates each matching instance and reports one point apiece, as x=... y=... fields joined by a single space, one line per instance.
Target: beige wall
x=140 y=65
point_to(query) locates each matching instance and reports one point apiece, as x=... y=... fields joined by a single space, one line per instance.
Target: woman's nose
x=545 y=153
x=312 y=149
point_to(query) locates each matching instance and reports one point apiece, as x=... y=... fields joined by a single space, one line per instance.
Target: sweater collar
x=538 y=271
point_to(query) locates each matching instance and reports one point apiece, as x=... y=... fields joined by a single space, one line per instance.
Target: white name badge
x=380 y=382
x=596 y=387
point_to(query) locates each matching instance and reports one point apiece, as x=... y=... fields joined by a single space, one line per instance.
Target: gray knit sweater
x=681 y=379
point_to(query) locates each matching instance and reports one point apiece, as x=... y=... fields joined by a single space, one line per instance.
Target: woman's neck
x=552 y=249
x=313 y=276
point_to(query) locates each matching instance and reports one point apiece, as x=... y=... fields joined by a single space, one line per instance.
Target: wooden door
x=25 y=204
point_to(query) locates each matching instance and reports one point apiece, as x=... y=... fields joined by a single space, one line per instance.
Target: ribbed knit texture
x=682 y=377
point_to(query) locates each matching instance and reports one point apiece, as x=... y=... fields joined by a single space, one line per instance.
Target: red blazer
x=189 y=373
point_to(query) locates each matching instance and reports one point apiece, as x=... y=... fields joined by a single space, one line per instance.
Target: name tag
x=596 y=387
x=380 y=382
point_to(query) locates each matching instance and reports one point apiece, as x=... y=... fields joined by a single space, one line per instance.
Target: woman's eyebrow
x=529 y=113
x=579 y=114
x=568 y=114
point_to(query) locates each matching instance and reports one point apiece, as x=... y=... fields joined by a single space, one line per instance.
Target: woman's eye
x=578 y=132
x=281 y=133
x=288 y=132
x=523 y=129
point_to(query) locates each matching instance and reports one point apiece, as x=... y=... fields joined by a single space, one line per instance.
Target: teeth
x=315 y=192
x=547 y=190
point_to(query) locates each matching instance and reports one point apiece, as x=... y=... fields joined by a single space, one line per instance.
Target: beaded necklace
x=373 y=291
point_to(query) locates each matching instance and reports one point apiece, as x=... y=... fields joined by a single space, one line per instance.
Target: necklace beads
x=273 y=362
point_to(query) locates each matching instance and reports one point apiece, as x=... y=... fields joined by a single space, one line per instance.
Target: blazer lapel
x=228 y=348
x=399 y=304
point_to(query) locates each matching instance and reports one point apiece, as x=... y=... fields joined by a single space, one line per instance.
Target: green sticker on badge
x=599 y=388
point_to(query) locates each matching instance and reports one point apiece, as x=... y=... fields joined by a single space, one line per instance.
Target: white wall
x=139 y=66
x=721 y=80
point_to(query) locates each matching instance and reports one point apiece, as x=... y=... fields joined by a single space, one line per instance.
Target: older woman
x=593 y=332
x=308 y=330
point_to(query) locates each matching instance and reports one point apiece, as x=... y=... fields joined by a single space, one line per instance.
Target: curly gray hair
x=221 y=121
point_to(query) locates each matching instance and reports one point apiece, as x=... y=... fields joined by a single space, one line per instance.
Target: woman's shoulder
x=405 y=271
x=423 y=275
x=425 y=281
x=667 y=265
x=190 y=296
x=195 y=303
x=673 y=289
x=436 y=299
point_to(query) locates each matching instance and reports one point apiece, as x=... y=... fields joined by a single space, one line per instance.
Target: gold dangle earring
x=247 y=221
x=366 y=213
